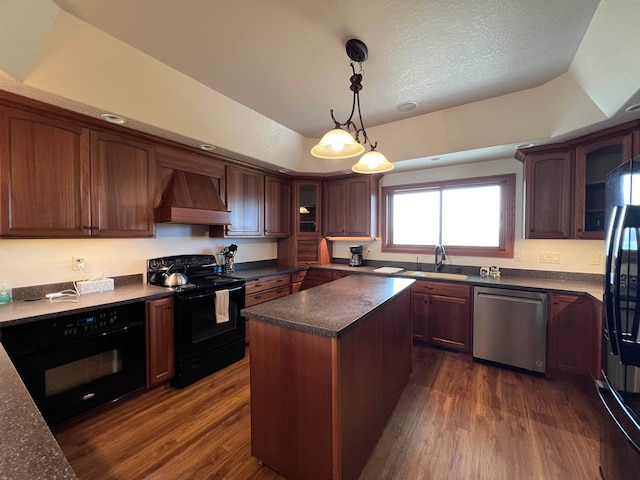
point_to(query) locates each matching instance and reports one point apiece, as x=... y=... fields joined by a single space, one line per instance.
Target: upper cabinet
x=306 y=205
x=305 y=246
x=565 y=183
x=593 y=161
x=549 y=195
x=277 y=207
x=245 y=201
x=122 y=186
x=350 y=206
x=60 y=179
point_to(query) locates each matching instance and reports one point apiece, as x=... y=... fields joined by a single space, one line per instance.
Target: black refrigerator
x=619 y=390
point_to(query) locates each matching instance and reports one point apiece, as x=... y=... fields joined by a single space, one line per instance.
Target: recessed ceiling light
x=406 y=106
x=435 y=159
x=207 y=147
x=633 y=108
x=526 y=145
x=111 y=118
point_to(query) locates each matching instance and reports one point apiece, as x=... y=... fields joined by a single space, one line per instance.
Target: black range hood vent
x=192 y=199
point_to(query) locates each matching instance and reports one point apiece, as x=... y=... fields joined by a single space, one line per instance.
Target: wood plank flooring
x=456 y=419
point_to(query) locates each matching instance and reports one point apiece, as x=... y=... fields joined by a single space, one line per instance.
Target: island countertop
x=329 y=309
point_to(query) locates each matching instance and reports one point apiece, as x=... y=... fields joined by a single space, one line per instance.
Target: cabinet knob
x=579 y=229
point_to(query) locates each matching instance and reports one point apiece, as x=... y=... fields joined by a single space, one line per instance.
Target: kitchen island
x=327 y=367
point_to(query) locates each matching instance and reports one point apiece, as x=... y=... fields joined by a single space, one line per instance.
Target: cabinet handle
x=257 y=297
x=86 y=227
x=258 y=285
x=579 y=229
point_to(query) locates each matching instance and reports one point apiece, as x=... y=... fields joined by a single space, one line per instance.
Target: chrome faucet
x=438 y=261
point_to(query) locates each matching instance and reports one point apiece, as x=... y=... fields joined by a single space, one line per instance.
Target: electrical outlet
x=549 y=257
x=518 y=256
x=77 y=263
x=594 y=259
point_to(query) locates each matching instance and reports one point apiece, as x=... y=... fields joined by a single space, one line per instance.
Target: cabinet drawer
x=267 y=295
x=441 y=288
x=267 y=283
x=319 y=275
x=298 y=276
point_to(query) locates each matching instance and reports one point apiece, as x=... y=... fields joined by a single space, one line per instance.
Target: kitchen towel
x=222 y=306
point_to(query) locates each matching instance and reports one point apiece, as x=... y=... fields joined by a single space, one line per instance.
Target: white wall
x=575 y=255
x=41 y=261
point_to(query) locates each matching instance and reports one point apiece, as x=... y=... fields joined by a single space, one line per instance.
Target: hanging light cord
x=356 y=86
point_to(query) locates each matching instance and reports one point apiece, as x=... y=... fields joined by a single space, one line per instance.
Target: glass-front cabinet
x=308 y=208
x=593 y=162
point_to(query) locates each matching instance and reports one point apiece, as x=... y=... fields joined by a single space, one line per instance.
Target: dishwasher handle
x=534 y=301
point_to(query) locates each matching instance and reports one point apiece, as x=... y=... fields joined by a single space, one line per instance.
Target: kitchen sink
x=450 y=276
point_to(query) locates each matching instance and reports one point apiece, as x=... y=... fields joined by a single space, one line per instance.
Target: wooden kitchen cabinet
x=548 y=195
x=44 y=176
x=160 y=349
x=306 y=245
x=245 y=201
x=61 y=179
x=565 y=183
x=277 y=207
x=441 y=314
x=268 y=288
x=350 y=206
x=574 y=336
x=315 y=277
x=122 y=186
x=296 y=280
x=593 y=161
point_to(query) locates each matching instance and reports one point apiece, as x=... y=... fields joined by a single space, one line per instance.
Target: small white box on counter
x=95 y=286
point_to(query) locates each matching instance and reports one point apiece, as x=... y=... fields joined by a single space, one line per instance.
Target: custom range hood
x=192 y=199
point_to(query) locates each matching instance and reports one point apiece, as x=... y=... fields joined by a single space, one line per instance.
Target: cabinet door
x=593 y=162
x=307 y=208
x=160 y=356
x=277 y=207
x=44 y=176
x=419 y=314
x=548 y=195
x=357 y=216
x=573 y=336
x=245 y=200
x=334 y=208
x=122 y=186
x=449 y=322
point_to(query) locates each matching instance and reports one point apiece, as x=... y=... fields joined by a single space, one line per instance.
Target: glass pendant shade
x=337 y=144
x=372 y=162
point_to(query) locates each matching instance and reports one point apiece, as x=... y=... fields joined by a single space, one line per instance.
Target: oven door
x=72 y=377
x=196 y=329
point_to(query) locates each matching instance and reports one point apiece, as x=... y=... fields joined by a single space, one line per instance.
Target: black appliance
x=357 y=260
x=74 y=363
x=204 y=342
x=620 y=389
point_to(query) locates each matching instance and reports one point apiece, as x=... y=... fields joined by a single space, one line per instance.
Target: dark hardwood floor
x=456 y=419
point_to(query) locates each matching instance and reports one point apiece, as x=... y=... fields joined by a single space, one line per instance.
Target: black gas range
x=209 y=333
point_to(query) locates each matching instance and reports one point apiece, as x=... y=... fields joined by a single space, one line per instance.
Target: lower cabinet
x=267 y=288
x=316 y=277
x=441 y=314
x=160 y=356
x=296 y=281
x=574 y=336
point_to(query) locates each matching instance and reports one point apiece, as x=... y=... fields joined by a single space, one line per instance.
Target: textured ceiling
x=285 y=58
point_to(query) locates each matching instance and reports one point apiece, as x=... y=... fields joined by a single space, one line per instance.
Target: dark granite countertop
x=330 y=309
x=28 y=450
x=594 y=289
x=22 y=311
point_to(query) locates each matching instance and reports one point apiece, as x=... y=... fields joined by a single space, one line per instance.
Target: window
x=473 y=217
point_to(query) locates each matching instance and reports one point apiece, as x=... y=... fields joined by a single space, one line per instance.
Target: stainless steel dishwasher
x=510 y=327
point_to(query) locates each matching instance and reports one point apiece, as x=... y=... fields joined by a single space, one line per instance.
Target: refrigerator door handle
x=610 y=294
x=605 y=389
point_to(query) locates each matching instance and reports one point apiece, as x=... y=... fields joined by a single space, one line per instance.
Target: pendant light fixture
x=350 y=141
